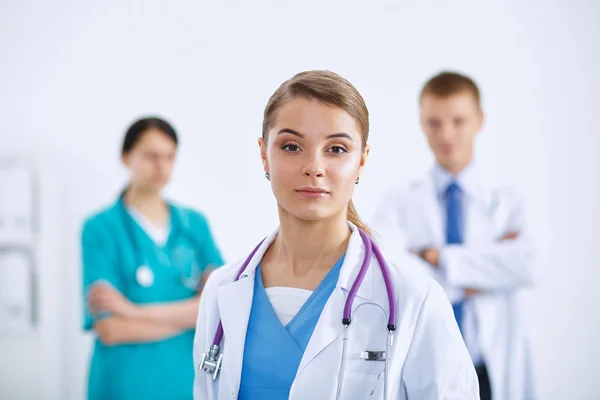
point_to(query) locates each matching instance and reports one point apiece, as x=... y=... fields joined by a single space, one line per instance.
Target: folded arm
x=507 y=265
x=175 y=315
x=115 y=330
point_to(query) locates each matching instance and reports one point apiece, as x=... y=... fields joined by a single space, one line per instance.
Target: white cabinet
x=18 y=236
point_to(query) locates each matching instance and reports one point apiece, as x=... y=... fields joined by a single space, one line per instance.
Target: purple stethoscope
x=211 y=362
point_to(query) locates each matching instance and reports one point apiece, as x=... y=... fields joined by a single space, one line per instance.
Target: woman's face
x=151 y=160
x=313 y=154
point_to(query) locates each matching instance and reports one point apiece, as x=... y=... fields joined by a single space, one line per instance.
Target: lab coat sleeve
x=200 y=347
x=390 y=232
x=504 y=265
x=211 y=256
x=204 y=388
x=438 y=364
x=99 y=262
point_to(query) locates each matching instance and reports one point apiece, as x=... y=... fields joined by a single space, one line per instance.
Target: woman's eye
x=291 y=147
x=337 y=149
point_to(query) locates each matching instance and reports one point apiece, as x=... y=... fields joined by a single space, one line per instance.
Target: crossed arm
x=433 y=257
x=500 y=266
x=129 y=322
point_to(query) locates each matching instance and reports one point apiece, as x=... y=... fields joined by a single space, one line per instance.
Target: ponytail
x=355 y=219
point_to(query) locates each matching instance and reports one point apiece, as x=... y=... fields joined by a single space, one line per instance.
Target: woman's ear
x=262 y=144
x=363 y=160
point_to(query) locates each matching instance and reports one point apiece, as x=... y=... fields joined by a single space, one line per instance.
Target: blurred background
x=74 y=75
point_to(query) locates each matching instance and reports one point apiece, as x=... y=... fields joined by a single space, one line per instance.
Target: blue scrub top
x=160 y=370
x=273 y=352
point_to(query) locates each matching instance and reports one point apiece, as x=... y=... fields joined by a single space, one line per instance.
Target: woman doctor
x=144 y=262
x=282 y=319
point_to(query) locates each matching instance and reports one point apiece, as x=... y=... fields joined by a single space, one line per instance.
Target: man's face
x=450 y=124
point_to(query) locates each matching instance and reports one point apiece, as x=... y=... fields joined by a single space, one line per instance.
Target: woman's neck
x=148 y=203
x=302 y=245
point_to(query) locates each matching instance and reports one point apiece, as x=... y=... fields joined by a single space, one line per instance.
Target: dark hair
x=448 y=83
x=135 y=131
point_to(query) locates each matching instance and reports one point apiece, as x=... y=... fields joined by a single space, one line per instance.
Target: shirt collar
x=466 y=179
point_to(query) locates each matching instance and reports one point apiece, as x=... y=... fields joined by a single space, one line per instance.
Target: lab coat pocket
x=361 y=385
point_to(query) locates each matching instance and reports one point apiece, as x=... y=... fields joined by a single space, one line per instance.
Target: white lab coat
x=430 y=360
x=409 y=218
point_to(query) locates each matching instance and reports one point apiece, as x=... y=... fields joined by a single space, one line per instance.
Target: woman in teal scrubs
x=144 y=263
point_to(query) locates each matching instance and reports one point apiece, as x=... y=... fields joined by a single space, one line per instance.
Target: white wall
x=72 y=77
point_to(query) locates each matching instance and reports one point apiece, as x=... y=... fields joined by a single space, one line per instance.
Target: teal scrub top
x=159 y=370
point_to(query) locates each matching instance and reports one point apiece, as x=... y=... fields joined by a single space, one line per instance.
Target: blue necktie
x=454 y=233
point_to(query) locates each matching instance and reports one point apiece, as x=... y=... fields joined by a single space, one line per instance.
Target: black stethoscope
x=143 y=273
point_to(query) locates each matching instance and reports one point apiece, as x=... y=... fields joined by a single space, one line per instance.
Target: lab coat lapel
x=328 y=329
x=479 y=221
x=431 y=211
x=234 y=301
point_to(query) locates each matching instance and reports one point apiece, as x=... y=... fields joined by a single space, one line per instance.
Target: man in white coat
x=471 y=238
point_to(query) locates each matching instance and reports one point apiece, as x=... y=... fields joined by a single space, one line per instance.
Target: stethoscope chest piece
x=211 y=362
x=144 y=276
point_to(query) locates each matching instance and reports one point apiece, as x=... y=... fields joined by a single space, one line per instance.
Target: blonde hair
x=329 y=88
